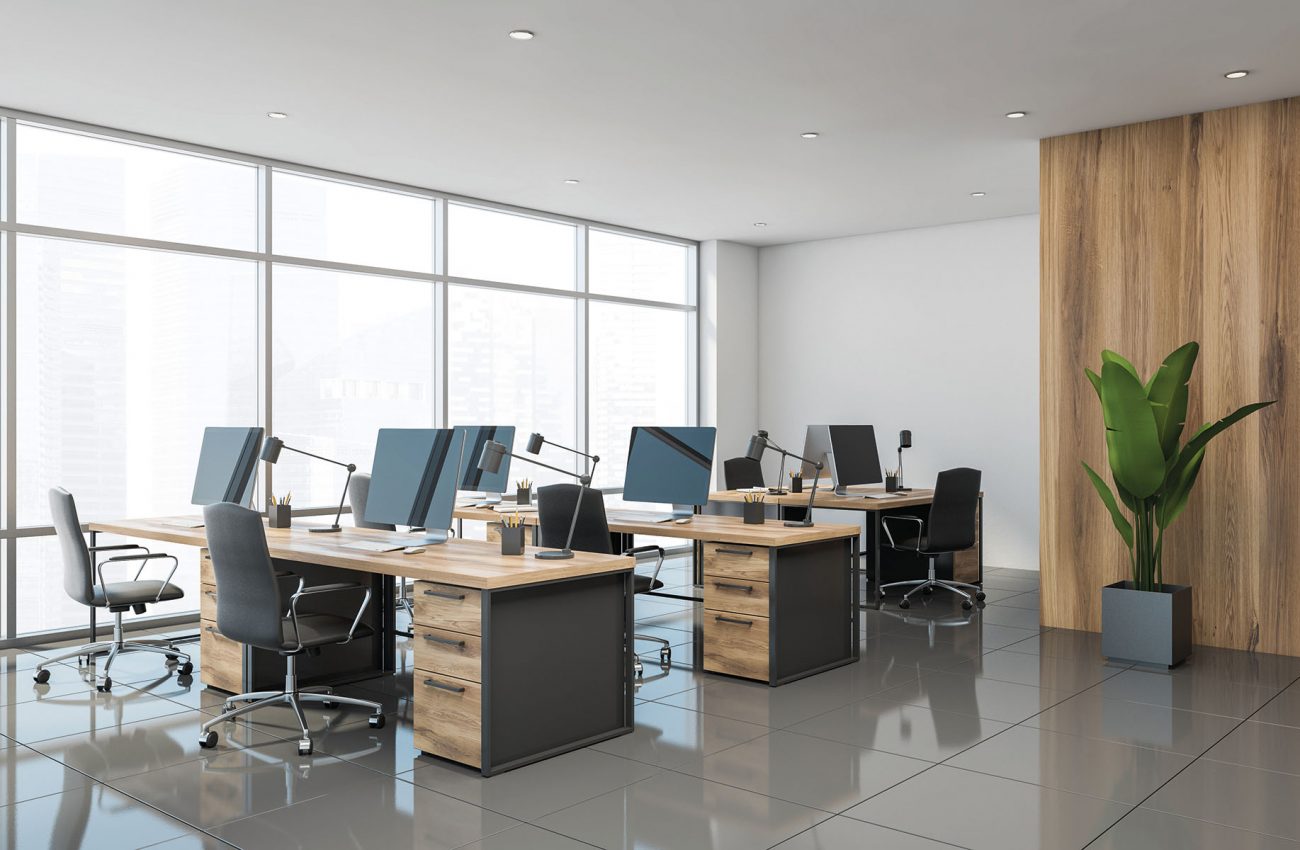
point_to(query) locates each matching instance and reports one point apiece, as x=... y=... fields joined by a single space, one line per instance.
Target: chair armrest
x=327 y=588
x=649 y=547
x=117 y=547
x=920 y=529
x=144 y=562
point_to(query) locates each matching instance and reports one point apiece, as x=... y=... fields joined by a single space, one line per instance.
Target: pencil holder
x=754 y=513
x=279 y=516
x=524 y=496
x=796 y=484
x=891 y=483
x=512 y=540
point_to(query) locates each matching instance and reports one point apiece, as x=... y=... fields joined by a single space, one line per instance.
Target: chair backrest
x=738 y=472
x=555 y=503
x=358 y=494
x=953 y=513
x=78 y=571
x=249 y=607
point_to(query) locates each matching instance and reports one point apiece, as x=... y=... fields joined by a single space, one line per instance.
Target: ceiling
x=677 y=116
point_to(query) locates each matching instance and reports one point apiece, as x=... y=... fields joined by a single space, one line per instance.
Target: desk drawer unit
x=736 y=644
x=449 y=717
x=748 y=563
x=740 y=596
x=223 y=659
x=451 y=653
x=208 y=602
x=445 y=606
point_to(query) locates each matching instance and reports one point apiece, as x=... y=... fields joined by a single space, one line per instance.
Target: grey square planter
x=1146 y=627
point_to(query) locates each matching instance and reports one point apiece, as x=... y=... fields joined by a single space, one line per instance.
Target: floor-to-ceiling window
x=154 y=288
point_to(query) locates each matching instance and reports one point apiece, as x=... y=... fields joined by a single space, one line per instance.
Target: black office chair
x=251 y=610
x=950 y=528
x=84 y=581
x=555 y=504
x=739 y=473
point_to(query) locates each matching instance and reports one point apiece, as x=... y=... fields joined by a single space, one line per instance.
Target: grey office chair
x=358 y=495
x=85 y=582
x=251 y=610
x=950 y=528
x=555 y=504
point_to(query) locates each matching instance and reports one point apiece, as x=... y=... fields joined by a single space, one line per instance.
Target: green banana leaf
x=1122 y=525
x=1132 y=443
x=1196 y=445
x=1109 y=356
x=1167 y=392
x=1177 y=491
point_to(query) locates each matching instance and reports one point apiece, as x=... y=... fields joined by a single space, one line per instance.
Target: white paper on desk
x=513 y=509
x=881 y=495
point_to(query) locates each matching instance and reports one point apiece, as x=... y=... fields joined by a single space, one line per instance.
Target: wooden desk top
x=464 y=563
x=714 y=529
x=827 y=499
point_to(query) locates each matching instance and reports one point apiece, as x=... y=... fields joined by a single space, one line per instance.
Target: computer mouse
x=413 y=550
x=682 y=521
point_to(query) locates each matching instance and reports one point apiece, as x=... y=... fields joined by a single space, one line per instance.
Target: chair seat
x=126 y=593
x=320 y=630
x=645 y=584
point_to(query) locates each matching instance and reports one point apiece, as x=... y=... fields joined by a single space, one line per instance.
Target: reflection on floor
x=969 y=729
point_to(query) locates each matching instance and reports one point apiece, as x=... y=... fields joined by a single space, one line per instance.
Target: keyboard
x=638 y=516
x=182 y=523
x=374 y=546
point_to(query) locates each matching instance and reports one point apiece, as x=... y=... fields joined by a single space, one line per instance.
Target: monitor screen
x=854 y=457
x=670 y=465
x=476 y=437
x=816 y=447
x=413 y=479
x=227 y=466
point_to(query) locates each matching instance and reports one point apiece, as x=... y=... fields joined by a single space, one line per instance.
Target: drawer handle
x=444 y=686
x=748 y=553
x=733 y=620
x=212 y=629
x=211 y=594
x=441 y=594
x=447 y=641
x=724 y=585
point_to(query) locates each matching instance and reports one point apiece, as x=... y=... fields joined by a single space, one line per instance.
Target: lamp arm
x=350 y=467
x=583 y=481
x=546 y=465
x=547 y=442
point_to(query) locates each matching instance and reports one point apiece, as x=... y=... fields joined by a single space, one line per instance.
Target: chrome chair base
x=665 y=654
x=114 y=647
x=930 y=581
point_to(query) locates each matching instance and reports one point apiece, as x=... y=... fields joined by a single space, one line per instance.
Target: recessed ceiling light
x=522 y=35
x=811 y=134
x=760 y=224
x=1017 y=114
x=277 y=115
x=571 y=182
x=1236 y=75
x=977 y=194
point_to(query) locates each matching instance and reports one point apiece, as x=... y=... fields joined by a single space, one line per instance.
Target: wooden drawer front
x=451 y=653
x=729 y=559
x=445 y=606
x=208 y=602
x=207 y=575
x=223 y=659
x=449 y=717
x=735 y=644
x=724 y=593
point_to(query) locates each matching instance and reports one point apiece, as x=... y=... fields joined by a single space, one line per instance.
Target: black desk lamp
x=761 y=441
x=490 y=461
x=904 y=442
x=271 y=453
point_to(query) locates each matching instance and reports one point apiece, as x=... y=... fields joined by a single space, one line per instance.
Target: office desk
x=965 y=566
x=516 y=659
x=778 y=602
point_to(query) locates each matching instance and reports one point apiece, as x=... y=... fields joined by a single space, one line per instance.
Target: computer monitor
x=671 y=465
x=413 y=480
x=854 y=457
x=816 y=447
x=491 y=484
x=227 y=466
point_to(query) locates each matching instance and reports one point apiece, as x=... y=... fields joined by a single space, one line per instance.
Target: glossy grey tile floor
x=971 y=730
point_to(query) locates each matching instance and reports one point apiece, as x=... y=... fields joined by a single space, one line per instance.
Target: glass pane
x=639 y=358
x=512 y=360
x=327 y=220
x=489 y=245
x=43 y=605
x=351 y=354
x=86 y=183
x=637 y=268
x=124 y=356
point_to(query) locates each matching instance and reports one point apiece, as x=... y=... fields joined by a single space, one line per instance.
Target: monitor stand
x=491 y=499
x=683 y=511
x=420 y=537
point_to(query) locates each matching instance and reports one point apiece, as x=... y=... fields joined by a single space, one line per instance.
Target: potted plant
x=1145 y=619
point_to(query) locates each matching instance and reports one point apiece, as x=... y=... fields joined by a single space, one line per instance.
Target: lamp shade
x=535 y=441
x=757 y=444
x=490 y=460
x=904 y=439
x=271 y=449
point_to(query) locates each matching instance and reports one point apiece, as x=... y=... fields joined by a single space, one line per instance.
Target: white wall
x=728 y=345
x=933 y=329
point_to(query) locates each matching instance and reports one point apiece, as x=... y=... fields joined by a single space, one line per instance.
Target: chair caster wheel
x=666 y=657
x=928 y=591
x=208 y=739
x=880 y=594
x=639 y=671
x=979 y=595
x=329 y=703
x=966 y=604
x=903 y=603
x=42 y=676
x=304 y=747
x=106 y=687
x=171 y=656
x=185 y=669
x=377 y=721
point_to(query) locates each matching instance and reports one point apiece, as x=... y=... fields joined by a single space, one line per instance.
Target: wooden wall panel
x=1154 y=234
